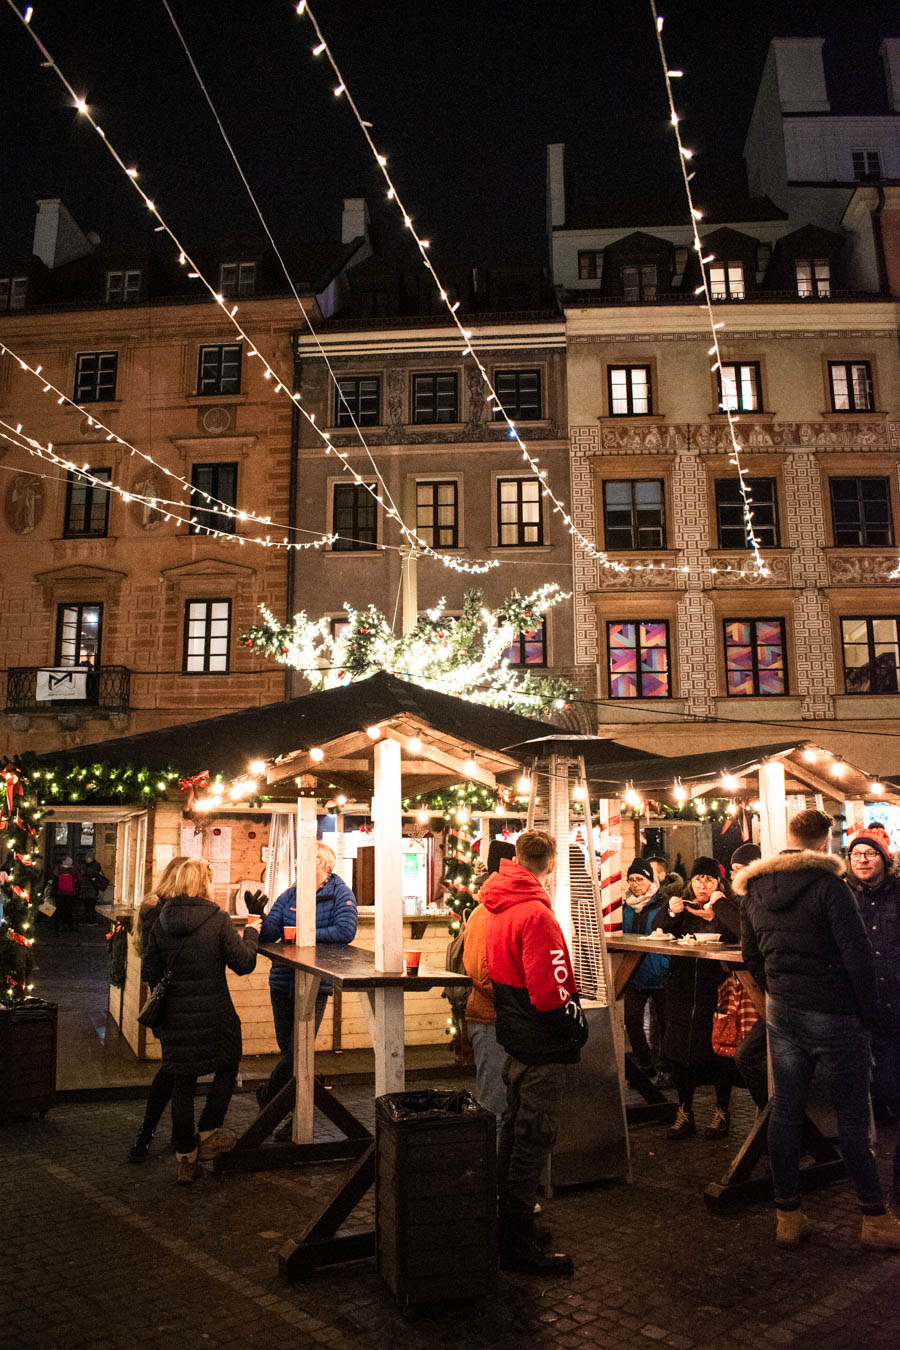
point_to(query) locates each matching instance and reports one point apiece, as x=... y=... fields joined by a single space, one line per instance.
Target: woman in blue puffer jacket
x=643 y=904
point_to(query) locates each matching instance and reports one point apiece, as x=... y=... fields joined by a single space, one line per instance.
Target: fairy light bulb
x=729 y=782
x=257 y=766
x=414 y=745
x=524 y=784
x=810 y=755
x=317 y=754
x=701 y=808
x=423 y=816
x=838 y=768
x=578 y=793
x=877 y=788
x=470 y=767
x=679 y=791
x=373 y=732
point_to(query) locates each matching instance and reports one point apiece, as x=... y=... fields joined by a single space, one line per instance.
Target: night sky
x=464 y=96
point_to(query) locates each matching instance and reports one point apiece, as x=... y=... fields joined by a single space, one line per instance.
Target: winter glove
x=577 y=1018
x=256 y=902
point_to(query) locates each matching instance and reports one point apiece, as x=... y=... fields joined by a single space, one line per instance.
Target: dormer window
x=237 y=278
x=866 y=164
x=123 y=286
x=13 y=292
x=813 y=276
x=726 y=281
x=639 y=282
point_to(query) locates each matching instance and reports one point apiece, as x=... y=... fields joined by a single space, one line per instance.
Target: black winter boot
x=141 y=1146
x=521 y=1251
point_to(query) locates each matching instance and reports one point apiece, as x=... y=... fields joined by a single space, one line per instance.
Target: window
x=529 y=649
x=435 y=398
x=339 y=628
x=851 y=386
x=13 y=292
x=726 y=281
x=519 y=392
x=590 y=264
x=871 y=655
x=629 y=391
x=639 y=282
x=638 y=658
x=813 y=276
x=207 y=630
x=866 y=164
x=754 y=657
x=519 y=519
x=739 y=387
x=78 y=630
x=358 y=400
x=437 y=513
x=219 y=483
x=730 y=512
x=122 y=287
x=237 y=279
x=95 y=377
x=219 y=368
x=861 y=512
x=634 y=513
x=354 y=518
x=87 y=505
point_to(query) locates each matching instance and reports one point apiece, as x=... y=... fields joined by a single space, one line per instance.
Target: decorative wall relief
x=24 y=503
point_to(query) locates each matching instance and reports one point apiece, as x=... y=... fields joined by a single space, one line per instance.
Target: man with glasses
x=876 y=886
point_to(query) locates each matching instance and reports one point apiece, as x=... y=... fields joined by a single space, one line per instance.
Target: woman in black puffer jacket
x=691 y=998
x=200 y=1031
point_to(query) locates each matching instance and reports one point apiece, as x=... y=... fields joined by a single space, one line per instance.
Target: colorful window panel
x=638 y=658
x=529 y=649
x=755 y=657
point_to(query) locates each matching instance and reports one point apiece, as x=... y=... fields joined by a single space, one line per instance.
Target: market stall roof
x=336 y=720
x=808 y=767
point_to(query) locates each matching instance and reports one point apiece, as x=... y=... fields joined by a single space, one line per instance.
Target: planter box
x=27 y=1059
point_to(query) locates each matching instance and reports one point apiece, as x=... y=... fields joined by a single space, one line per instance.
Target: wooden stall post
x=388 y=1003
x=772 y=808
x=305 y=986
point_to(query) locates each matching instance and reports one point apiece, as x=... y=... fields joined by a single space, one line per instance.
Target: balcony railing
x=107 y=689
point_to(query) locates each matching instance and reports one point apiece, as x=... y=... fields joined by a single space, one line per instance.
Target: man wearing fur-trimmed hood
x=804 y=941
x=876 y=885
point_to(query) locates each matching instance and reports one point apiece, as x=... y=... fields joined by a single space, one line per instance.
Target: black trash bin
x=27 y=1058
x=435 y=1195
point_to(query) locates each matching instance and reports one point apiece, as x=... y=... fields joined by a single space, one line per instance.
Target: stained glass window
x=755 y=657
x=529 y=649
x=638 y=653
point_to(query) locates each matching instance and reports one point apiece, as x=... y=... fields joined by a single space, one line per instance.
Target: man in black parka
x=804 y=942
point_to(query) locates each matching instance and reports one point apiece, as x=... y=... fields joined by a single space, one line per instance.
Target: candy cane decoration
x=610 y=823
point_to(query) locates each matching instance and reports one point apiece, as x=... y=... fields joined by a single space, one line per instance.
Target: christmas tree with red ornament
x=18 y=857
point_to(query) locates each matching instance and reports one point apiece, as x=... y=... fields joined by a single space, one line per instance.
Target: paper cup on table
x=411 y=960
x=290 y=934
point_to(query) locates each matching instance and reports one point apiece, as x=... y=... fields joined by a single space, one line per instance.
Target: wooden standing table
x=737 y=1186
x=349 y=969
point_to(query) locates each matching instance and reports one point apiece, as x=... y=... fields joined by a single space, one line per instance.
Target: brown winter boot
x=791 y=1227
x=187 y=1168
x=880 y=1230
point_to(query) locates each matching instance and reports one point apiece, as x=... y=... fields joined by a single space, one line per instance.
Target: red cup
x=412 y=959
x=290 y=934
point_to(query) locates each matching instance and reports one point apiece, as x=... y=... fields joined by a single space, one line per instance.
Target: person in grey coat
x=200 y=1031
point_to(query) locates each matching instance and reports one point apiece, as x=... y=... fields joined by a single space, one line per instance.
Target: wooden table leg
x=656 y=1106
x=321 y=1242
x=305 y=989
x=738 y=1186
x=251 y=1154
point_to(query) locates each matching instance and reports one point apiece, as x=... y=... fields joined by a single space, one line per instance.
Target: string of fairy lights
x=685 y=155
x=230 y=313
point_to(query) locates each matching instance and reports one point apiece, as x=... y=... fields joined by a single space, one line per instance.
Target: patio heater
x=593 y=1141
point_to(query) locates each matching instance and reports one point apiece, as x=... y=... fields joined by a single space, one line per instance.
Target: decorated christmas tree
x=18 y=868
x=462 y=655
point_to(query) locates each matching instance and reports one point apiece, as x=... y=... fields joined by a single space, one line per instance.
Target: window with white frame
x=78 y=632
x=726 y=281
x=731 y=512
x=634 y=513
x=519 y=516
x=435 y=398
x=358 y=400
x=639 y=281
x=354 y=517
x=123 y=287
x=813 y=277
x=207 y=632
x=13 y=292
x=629 y=391
x=519 y=393
x=739 y=386
x=95 y=377
x=437 y=512
x=590 y=264
x=219 y=368
x=237 y=278
x=850 y=384
x=866 y=164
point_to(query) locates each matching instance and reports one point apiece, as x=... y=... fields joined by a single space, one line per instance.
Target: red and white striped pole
x=610 y=822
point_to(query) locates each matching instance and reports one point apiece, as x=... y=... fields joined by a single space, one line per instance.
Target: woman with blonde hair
x=196 y=941
x=160 y=1093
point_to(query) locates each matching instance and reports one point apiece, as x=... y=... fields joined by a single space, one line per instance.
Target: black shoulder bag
x=154 y=1010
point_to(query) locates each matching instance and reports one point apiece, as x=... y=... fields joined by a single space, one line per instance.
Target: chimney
x=889 y=52
x=556 y=186
x=800 y=74
x=354 y=220
x=57 y=239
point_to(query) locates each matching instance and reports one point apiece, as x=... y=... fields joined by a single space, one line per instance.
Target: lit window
x=638 y=658
x=207 y=629
x=755 y=657
x=519 y=517
x=813 y=276
x=851 y=386
x=739 y=387
x=629 y=391
x=78 y=631
x=726 y=281
x=437 y=521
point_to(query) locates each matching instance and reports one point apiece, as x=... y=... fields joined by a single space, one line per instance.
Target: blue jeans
x=283 y=1017
x=490 y=1057
x=799 y=1041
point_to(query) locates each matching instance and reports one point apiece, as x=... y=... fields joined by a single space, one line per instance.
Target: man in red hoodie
x=541 y=1027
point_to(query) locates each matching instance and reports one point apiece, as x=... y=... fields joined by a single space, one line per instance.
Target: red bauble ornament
x=217 y=830
x=251 y=834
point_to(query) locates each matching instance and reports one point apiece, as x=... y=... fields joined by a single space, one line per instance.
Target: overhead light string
x=685 y=155
x=230 y=310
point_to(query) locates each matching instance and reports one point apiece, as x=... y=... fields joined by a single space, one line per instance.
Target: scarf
x=639 y=902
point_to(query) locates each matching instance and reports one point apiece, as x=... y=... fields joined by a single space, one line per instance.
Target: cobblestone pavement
x=102 y=1254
